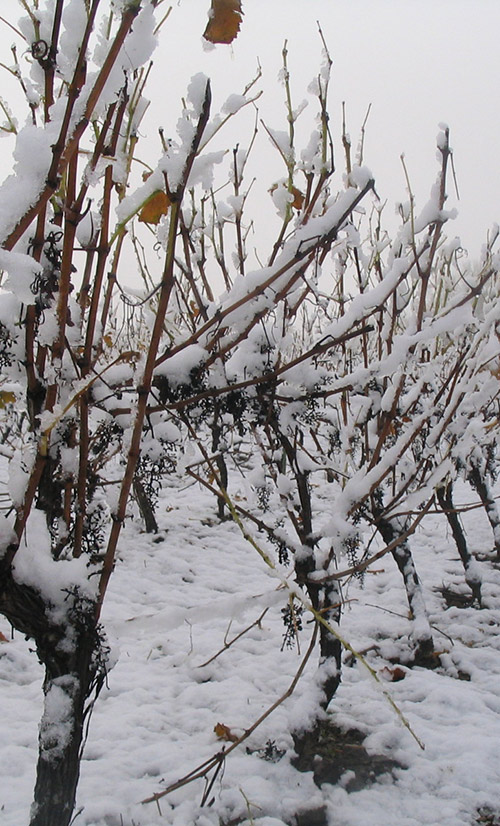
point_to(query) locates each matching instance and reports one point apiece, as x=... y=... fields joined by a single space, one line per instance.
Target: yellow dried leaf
x=392 y=675
x=225 y=21
x=224 y=733
x=156 y=206
x=195 y=311
x=129 y=356
x=6 y=397
x=298 y=196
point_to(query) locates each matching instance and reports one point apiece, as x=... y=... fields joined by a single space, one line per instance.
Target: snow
x=281 y=140
x=19 y=191
x=7 y=535
x=130 y=205
x=55 y=727
x=202 y=171
x=282 y=198
x=35 y=566
x=87 y=229
x=233 y=104
x=196 y=92
x=74 y=21
x=178 y=367
x=22 y=271
x=174 y=602
x=142 y=41
x=360 y=176
x=19 y=470
x=194 y=614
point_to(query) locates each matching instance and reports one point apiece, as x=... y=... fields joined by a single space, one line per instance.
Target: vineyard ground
x=179 y=597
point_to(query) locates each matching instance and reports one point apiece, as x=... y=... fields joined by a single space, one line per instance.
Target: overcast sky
x=417 y=62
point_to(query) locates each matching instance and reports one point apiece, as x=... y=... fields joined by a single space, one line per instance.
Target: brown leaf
x=392 y=675
x=224 y=21
x=129 y=356
x=3 y=638
x=298 y=198
x=6 y=397
x=224 y=733
x=156 y=206
x=195 y=310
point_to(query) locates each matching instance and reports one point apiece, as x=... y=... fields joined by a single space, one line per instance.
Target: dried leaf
x=224 y=733
x=392 y=675
x=6 y=397
x=3 y=638
x=298 y=196
x=156 y=206
x=129 y=356
x=224 y=21
x=195 y=310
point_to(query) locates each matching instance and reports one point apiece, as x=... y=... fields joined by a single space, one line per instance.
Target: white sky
x=418 y=62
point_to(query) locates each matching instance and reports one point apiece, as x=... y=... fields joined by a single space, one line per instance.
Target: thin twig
x=12 y=27
x=215 y=761
x=235 y=639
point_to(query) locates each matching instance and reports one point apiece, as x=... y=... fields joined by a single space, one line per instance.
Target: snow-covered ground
x=177 y=598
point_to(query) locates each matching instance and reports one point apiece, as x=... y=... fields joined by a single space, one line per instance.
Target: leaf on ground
x=224 y=733
x=3 y=638
x=129 y=356
x=392 y=675
x=6 y=397
x=224 y=21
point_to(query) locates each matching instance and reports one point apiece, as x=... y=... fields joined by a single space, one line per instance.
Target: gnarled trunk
x=72 y=652
x=70 y=682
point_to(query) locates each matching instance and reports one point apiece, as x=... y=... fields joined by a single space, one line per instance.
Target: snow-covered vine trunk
x=50 y=558
x=472 y=576
x=71 y=678
x=478 y=481
x=217 y=450
x=145 y=505
x=329 y=646
x=325 y=599
x=71 y=650
x=390 y=530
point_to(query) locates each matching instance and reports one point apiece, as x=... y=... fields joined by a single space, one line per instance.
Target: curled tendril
x=36 y=284
x=44 y=283
x=40 y=49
